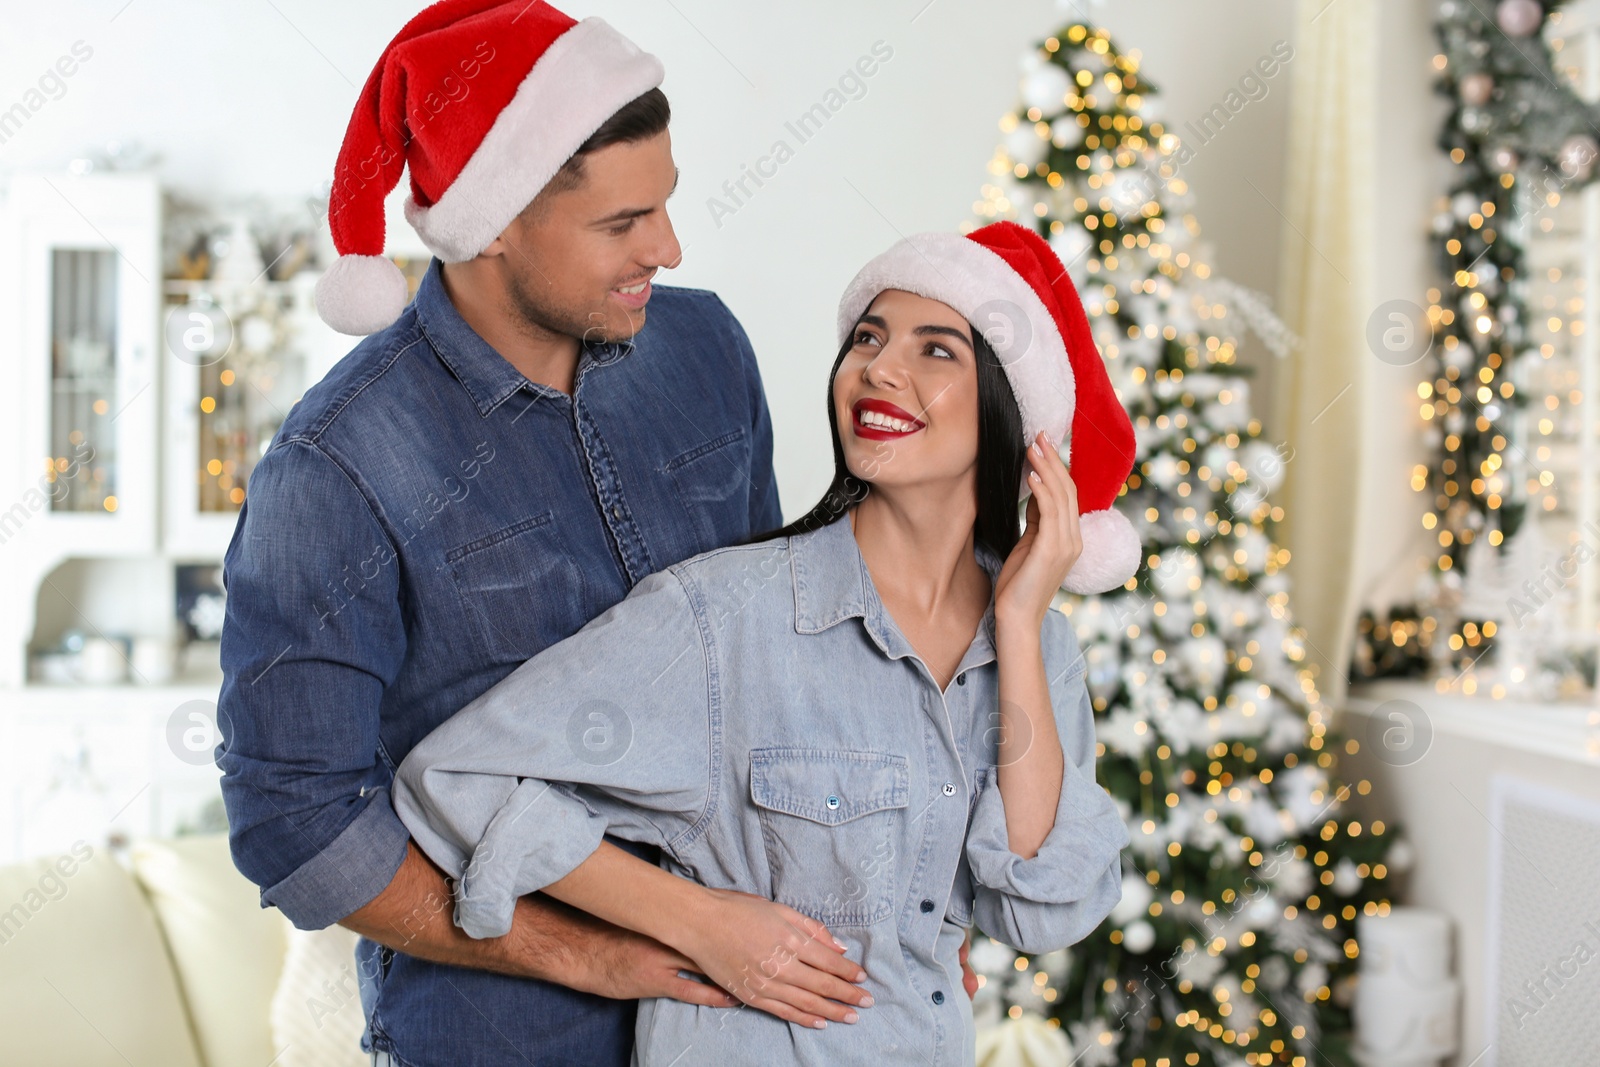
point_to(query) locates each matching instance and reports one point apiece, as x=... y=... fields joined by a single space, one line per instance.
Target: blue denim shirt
x=424 y=521
x=756 y=714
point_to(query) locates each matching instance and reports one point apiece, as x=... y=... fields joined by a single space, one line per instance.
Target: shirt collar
x=488 y=377
x=832 y=583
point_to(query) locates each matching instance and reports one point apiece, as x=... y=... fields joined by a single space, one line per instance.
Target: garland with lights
x=1234 y=939
x=1519 y=138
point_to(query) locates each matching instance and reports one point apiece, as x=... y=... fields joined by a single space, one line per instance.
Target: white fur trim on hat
x=584 y=77
x=359 y=295
x=977 y=283
x=1111 y=553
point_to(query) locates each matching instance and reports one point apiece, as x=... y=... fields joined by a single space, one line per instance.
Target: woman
x=854 y=737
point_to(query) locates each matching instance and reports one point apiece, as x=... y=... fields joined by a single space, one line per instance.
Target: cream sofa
x=165 y=960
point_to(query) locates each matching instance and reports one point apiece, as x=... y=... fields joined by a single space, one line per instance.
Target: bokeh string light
x=1519 y=140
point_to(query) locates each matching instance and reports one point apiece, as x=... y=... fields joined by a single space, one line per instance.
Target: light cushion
x=227 y=951
x=84 y=976
x=316 y=1012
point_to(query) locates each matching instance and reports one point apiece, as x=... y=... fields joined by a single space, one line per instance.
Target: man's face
x=579 y=261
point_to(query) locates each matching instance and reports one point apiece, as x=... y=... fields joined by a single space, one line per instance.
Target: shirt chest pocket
x=831 y=821
x=519 y=589
x=712 y=482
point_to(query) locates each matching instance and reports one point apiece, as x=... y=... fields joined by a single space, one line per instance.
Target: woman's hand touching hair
x=1050 y=545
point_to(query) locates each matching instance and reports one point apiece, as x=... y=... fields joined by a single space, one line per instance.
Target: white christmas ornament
x=1253 y=545
x=1265 y=464
x=1046 y=88
x=1263 y=911
x=1120 y=732
x=1311 y=977
x=1175 y=577
x=1139 y=936
x=1136 y=897
x=990 y=957
x=1175 y=621
x=1025 y=146
x=1346 y=880
x=1204 y=661
x=1303 y=792
x=1065 y=132
x=1199 y=967
x=1072 y=246
x=1163 y=471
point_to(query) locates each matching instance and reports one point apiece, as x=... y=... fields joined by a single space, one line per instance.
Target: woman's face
x=906 y=394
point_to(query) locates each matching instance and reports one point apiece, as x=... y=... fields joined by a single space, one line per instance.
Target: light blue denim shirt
x=732 y=711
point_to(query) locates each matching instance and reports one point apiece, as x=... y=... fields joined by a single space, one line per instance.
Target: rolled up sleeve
x=1061 y=893
x=311 y=637
x=607 y=731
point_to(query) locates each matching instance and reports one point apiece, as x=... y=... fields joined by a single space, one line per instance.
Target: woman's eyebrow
x=929 y=330
x=943 y=331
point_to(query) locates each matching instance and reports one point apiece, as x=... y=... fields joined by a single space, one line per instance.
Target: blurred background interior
x=1342 y=258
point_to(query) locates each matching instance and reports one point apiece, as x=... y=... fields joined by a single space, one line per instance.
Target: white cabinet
x=242 y=354
x=86 y=284
x=137 y=405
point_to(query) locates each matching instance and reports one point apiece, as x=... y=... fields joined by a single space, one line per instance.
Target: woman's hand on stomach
x=773 y=958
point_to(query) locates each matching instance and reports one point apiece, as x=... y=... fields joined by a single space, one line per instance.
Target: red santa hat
x=1005 y=280
x=482 y=101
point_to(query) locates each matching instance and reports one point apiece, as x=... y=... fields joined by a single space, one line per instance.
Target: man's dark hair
x=638 y=120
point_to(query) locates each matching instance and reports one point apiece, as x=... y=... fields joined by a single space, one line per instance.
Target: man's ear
x=511 y=238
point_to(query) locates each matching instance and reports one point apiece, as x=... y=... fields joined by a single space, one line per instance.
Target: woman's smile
x=879 y=420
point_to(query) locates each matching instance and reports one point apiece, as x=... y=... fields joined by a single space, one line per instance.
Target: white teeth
x=633 y=290
x=874 y=418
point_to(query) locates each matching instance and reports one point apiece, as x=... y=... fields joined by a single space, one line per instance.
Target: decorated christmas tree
x=1234 y=940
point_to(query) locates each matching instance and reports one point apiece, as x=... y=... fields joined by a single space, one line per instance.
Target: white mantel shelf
x=1569 y=731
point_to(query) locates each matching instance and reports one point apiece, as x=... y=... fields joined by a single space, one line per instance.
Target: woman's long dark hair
x=1001 y=453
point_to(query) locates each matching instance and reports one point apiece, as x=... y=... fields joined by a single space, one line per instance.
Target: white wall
x=252 y=99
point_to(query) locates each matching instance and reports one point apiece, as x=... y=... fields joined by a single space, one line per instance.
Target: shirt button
x=927 y=906
x=832 y=802
x=949 y=789
x=961 y=679
x=938 y=996
x=616 y=510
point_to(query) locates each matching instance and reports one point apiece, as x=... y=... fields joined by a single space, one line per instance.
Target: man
x=497 y=464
